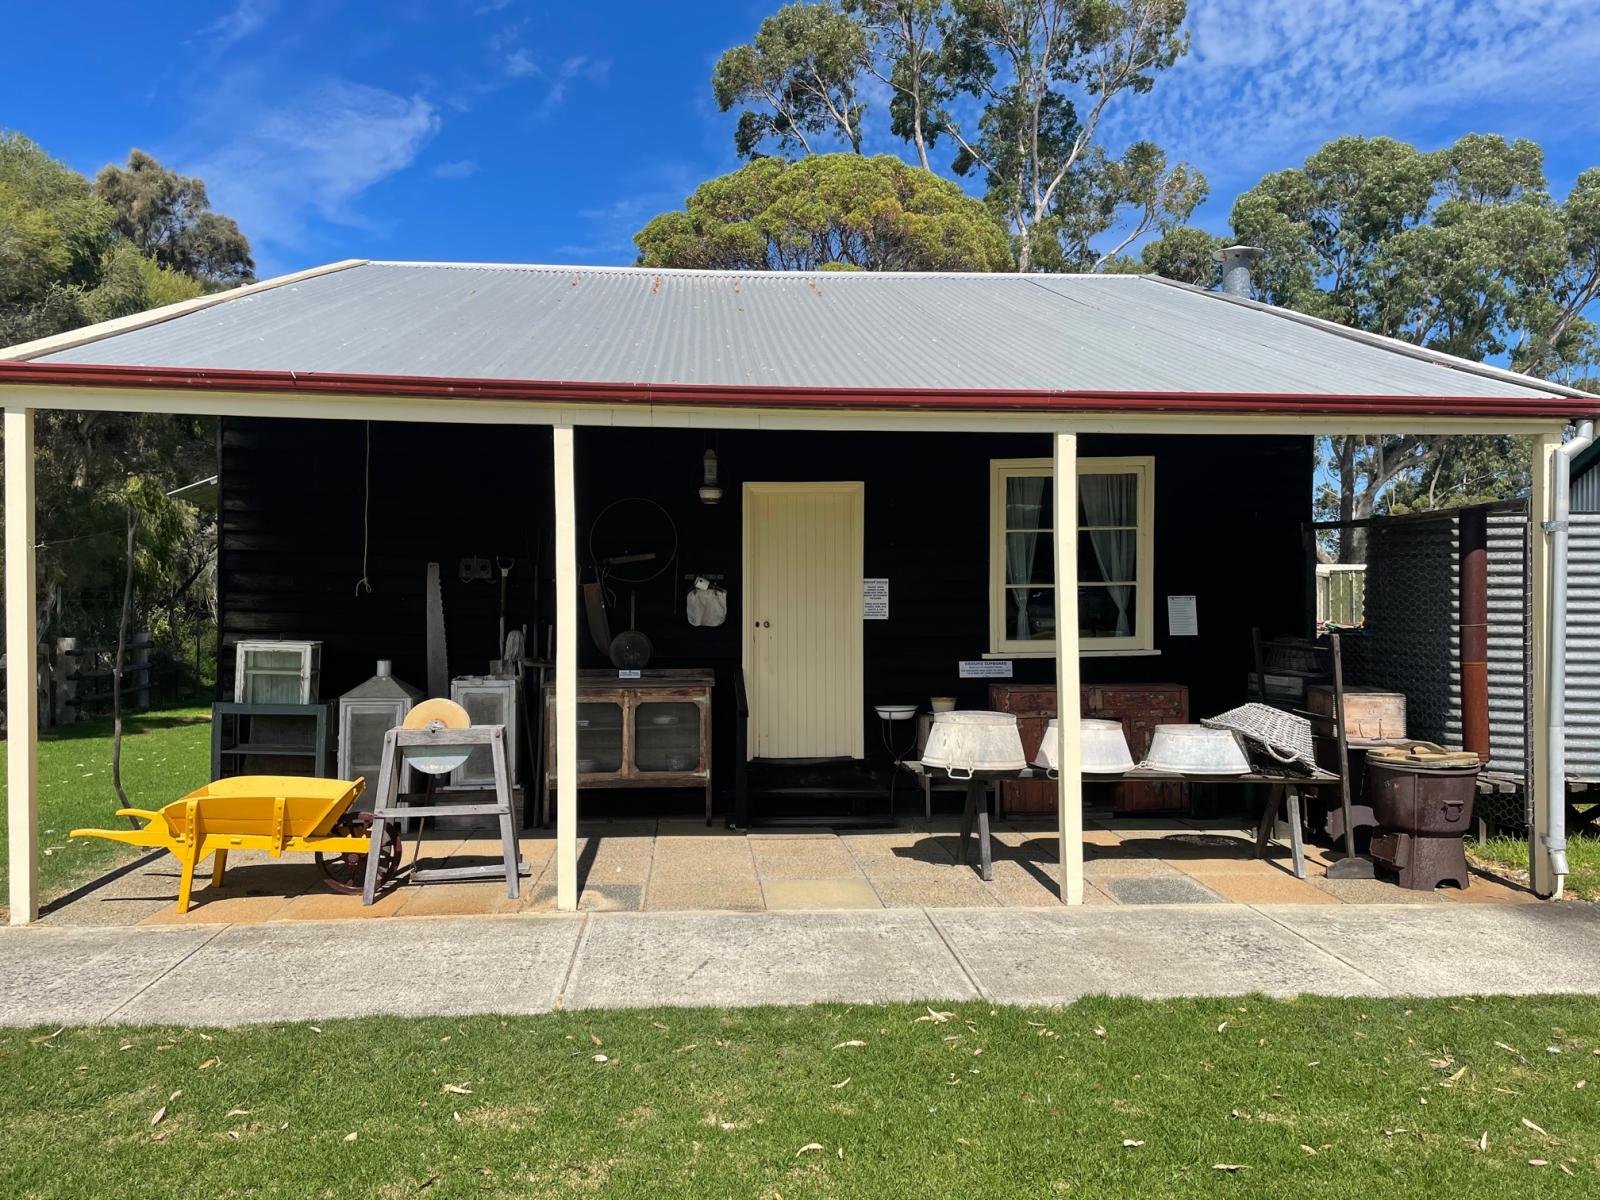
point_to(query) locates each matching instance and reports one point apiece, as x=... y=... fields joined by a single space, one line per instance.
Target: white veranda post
x=566 y=671
x=22 y=672
x=1070 y=784
x=1540 y=651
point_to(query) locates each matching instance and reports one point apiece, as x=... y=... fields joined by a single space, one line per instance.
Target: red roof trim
x=757 y=396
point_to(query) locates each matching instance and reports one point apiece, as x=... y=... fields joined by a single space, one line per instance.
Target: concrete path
x=236 y=974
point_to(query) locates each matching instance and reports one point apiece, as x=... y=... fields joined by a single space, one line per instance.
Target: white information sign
x=986 y=668
x=628 y=675
x=1182 y=620
x=875 y=599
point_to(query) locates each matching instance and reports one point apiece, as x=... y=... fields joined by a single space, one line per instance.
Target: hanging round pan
x=631 y=650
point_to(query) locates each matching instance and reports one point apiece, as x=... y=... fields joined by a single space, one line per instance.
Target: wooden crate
x=1370 y=714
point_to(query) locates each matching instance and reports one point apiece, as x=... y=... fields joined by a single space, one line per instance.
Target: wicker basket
x=1283 y=735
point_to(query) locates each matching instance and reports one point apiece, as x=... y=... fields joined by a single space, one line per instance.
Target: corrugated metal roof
x=1118 y=334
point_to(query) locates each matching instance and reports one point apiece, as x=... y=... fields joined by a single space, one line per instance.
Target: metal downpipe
x=1557 y=529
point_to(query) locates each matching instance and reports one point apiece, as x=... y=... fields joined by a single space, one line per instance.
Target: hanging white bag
x=706 y=605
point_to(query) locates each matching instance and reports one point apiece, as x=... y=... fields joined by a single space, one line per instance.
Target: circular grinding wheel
x=432 y=715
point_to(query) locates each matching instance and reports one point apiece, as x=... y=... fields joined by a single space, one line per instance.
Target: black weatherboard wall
x=1228 y=517
x=290 y=547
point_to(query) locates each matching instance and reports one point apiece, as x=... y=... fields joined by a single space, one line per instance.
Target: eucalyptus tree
x=1462 y=249
x=827 y=211
x=1018 y=88
x=801 y=73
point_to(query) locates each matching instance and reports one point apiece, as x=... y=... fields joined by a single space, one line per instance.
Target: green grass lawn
x=164 y=755
x=1509 y=855
x=1108 y=1098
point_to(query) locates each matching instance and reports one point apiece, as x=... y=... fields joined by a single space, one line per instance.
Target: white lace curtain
x=1024 y=494
x=1113 y=500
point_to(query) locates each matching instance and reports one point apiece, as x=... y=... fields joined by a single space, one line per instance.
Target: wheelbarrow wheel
x=347 y=873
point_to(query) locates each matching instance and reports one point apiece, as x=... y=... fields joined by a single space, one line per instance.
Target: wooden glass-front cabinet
x=650 y=732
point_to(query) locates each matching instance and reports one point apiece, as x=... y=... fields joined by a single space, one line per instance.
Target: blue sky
x=516 y=131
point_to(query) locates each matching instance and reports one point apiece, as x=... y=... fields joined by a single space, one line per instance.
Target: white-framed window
x=1116 y=555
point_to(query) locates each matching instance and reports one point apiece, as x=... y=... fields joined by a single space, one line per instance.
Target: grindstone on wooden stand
x=436 y=738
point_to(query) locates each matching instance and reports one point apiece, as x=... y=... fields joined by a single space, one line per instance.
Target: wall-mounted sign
x=628 y=675
x=875 y=599
x=1182 y=620
x=986 y=668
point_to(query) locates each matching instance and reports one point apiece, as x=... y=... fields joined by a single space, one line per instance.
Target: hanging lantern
x=710 y=490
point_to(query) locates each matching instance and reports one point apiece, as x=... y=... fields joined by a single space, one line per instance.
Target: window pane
x=1106 y=611
x=1108 y=500
x=1030 y=614
x=1109 y=555
x=1028 y=503
x=1030 y=558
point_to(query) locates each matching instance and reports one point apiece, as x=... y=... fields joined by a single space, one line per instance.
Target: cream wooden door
x=802 y=623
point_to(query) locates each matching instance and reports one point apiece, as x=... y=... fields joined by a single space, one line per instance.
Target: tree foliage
x=801 y=72
x=1017 y=88
x=827 y=211
x=168 y=218
x=1463 y=250
x=72 y=253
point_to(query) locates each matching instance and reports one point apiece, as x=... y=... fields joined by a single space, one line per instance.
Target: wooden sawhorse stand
x=393 y=808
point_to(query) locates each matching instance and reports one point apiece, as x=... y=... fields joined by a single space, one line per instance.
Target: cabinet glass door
x=666 y=736
x=599 y=738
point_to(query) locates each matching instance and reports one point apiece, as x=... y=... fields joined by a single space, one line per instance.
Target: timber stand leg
x=508 y=835
x=985 y=849
x=388 y=789
x=1269 y=814
x=1296 y=834
x=968 y=814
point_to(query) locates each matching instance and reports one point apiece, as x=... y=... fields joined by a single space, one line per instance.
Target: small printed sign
x=628 y=675
x=986 y=668
x=1182 y=619
x=875 y=599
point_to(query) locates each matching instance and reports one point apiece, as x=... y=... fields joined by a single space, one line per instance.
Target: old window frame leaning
x=1142 y=639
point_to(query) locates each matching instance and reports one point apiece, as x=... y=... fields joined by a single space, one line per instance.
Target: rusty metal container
x=1422 y=796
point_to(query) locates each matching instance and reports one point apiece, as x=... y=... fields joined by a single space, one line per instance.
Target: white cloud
x=577 y=67
x=274 y=168
x=1267 y=82
x=460 y=168
x=239 y=22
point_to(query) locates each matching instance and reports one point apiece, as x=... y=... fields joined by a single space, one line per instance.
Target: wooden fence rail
x=75 y=680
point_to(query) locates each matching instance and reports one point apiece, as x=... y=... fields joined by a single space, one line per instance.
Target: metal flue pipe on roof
x=1237 y=263
x=1557 y=530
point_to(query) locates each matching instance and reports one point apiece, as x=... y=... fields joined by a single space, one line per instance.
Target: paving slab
x=1054 y=956
x=1449 y=949
x=807 y=894
x=763 y=958
x=307 y=971
x=1174 y=889
x=67 y=976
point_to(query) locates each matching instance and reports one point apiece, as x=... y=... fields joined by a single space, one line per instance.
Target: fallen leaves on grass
x=1131 y=1143
x=840 y=1084
x=938 y=1018
x=351 y=1136
x=808 y=1148
x=849 y=1045
x=1231 y=1168
x=595 y=1039
x=209 y=1063
x=601 y=1058
x=159 y=1115
x=1454 y=1079
x=1544 y=1133
x=456 y=1089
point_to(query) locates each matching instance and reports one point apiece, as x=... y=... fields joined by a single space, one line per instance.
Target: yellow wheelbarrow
x=272 y=813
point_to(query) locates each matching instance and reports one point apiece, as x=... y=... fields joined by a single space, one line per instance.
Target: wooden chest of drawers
x=1139 y=706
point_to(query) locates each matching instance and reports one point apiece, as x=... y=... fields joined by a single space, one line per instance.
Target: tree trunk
x=116 y=670
x=1352 y=549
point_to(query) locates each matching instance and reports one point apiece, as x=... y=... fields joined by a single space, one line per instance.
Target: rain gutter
x=1523 y=407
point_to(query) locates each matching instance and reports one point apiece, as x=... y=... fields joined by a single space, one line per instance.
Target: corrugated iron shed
x=891 y=332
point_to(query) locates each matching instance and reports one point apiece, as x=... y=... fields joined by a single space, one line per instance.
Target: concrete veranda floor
x=684 y=866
